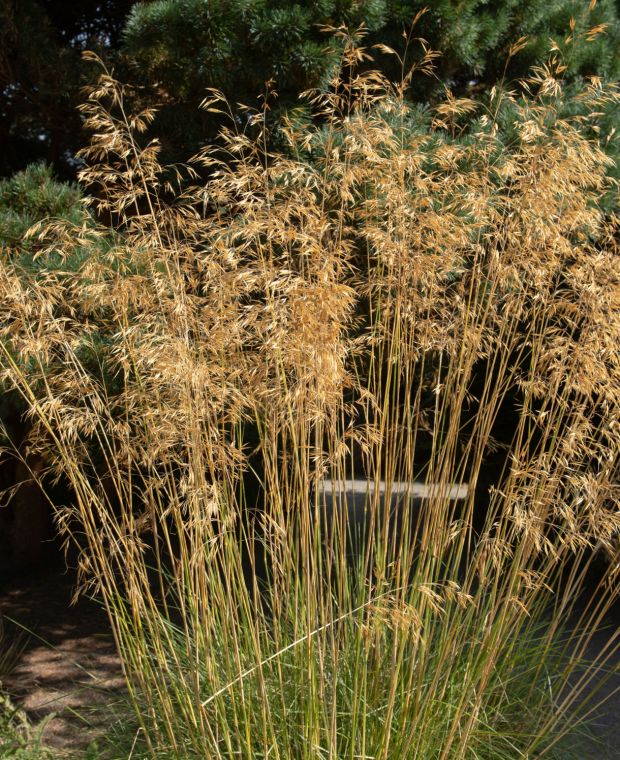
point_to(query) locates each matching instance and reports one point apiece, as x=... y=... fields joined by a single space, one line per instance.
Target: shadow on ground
x=68 y=666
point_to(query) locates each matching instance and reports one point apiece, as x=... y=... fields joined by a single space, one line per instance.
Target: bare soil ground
x=69 y=665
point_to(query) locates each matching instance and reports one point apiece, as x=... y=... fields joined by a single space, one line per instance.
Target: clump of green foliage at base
x=19 y=740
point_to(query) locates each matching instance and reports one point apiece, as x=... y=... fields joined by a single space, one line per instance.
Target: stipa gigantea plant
x=303 y=318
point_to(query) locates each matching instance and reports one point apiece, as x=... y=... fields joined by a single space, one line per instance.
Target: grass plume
x=366 y=304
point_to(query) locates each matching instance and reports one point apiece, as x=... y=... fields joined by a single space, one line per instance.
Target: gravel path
x=603 y=742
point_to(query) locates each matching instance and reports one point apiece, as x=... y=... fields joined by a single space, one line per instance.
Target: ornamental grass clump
x=367 y=305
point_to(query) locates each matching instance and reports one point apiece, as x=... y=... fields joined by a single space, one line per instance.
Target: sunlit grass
x=363 y=306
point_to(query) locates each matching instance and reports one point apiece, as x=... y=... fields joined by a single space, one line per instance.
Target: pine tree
x=180 y=48
x=42 y=74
